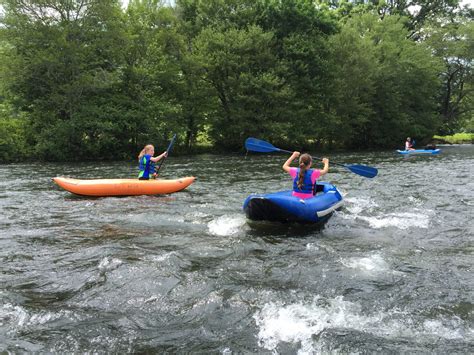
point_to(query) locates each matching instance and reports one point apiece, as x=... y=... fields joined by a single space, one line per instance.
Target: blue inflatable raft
x=283 y=207
x=419 y=151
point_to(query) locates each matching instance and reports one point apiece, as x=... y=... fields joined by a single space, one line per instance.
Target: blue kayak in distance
x=419 y=151
x=284 y=207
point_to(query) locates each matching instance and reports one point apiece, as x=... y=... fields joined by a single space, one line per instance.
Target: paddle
x=257 y=145
x=167 y=153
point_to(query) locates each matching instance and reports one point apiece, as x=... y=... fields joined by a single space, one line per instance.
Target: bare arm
x=326 y=167
x=158 y=158
x=287 y=164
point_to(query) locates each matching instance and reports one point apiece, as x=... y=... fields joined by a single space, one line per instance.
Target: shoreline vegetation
x=207 y=148
x=98 y=81
x=458 y=138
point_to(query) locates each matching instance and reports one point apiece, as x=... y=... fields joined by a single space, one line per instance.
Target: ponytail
x=142 y=153
x=305 y=160
x=146 y=149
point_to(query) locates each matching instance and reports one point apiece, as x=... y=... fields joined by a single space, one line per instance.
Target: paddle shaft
x=257 y=145
x=287 y=151
x=166 y=156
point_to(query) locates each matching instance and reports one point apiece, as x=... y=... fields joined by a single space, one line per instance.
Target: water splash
x=226 y=225
x=107 y=264
x=373 y=264
x=357 y=205
x=19 y=318
x=400 y=220
x=301 y=323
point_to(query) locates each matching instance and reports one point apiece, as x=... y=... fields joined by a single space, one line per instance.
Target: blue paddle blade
x=257 y=145
x=363 y=170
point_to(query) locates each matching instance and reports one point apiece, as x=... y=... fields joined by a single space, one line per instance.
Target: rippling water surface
x=391 y=272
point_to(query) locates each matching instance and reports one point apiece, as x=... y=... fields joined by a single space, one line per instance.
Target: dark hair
x=305 y=160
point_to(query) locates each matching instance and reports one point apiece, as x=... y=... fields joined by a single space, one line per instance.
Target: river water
x=391 y=272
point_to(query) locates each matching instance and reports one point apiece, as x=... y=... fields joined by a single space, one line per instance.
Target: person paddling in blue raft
x=409 y=144
x=146 y=162
x=304 y=178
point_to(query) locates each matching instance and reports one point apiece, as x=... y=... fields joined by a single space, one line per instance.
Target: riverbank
x=458 y=138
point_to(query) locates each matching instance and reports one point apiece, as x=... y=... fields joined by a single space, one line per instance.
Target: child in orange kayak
x=146 y=162
x=304 y=178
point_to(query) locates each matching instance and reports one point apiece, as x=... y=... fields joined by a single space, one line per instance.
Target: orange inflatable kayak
x=122 y=187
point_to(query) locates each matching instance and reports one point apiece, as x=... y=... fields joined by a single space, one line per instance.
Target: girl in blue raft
x=304 y=178
x=146 y=162
x=301 y=204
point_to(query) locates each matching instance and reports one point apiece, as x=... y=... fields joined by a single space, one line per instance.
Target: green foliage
x=453 y=43
x=416 y=12
x=89 y=80
x=241 y=69
x=149 y=74
x=13 y=133
x=384 y=83
x=13 y=146
x=63 y=56
x=353 y=87
x=458 y=138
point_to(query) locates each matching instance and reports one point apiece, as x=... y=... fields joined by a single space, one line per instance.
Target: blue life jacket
x=307 y=187
x=146 y=167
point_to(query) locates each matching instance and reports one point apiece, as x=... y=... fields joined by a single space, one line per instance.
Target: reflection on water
x=390 y=272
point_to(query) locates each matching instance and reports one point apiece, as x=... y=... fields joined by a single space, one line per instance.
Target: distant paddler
x=409 y=144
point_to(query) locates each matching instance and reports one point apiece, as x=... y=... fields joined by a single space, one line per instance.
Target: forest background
x=94 y=80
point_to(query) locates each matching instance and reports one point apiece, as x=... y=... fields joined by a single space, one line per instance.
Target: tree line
x=88 y=79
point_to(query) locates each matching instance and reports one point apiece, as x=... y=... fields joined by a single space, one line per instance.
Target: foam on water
x=372 y=264
x=197 y=217
x=226 y=225
x=319 y=247
x=415 y=201
x=10 y=314
x=364 y=209
x=297 y=323
x=107 y=264
x=400 y=220
x=357 y=205
x=161 y=258
x=301 y=323
x=312 y=247
x=18 y=317
x=437 y=327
